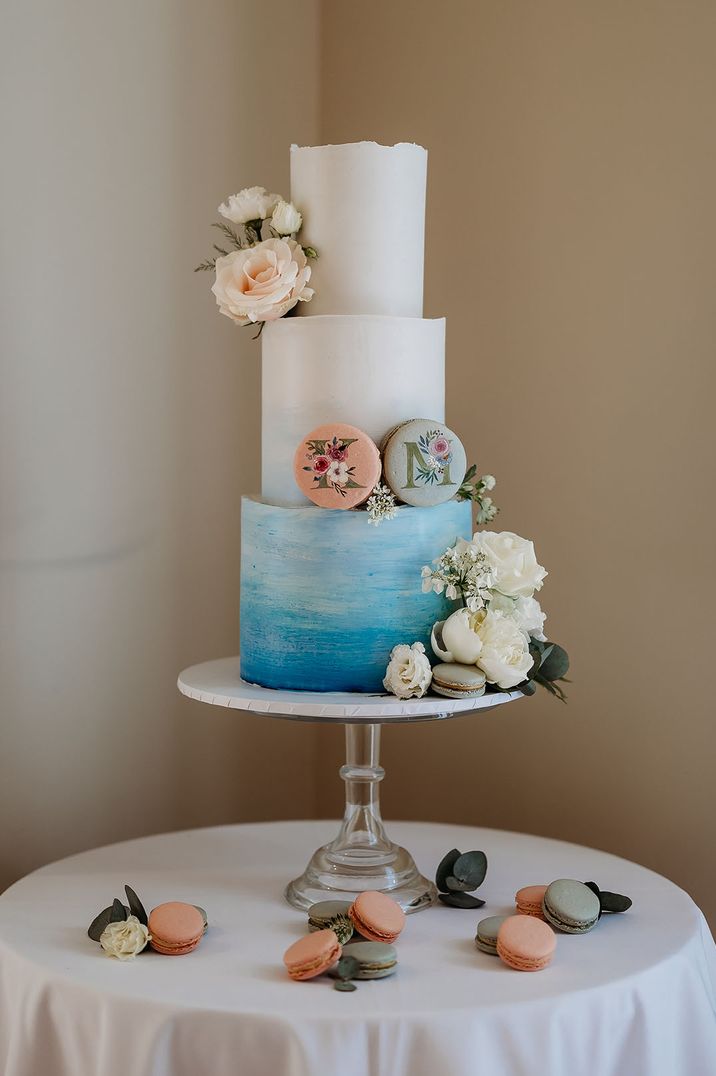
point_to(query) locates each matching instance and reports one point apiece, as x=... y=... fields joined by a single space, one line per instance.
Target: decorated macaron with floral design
x=337 y=466
x=424 y=462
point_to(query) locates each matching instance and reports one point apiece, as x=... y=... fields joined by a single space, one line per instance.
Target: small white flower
x=381 y=505
x=488 y=481
x=252 y=203
x=286 y=219
x=408 y=674
x=338 y=472
x=124 y=939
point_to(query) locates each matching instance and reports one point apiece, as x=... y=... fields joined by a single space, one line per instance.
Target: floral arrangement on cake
x=262 y=270
x=499 y=630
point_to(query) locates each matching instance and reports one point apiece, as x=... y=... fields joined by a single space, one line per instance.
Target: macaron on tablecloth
x=630 y=995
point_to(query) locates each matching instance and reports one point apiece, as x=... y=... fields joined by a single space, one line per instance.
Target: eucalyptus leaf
x=135 y=905
x=98 y=924
x=614 y=902
x=445 y=868
x=470 y=869
x=457 y=886
x=347 y=968
x=597 y=893
x=119 y=912
x=460 y=900
x=556 y=665
x=344 y=986
x=528 y=688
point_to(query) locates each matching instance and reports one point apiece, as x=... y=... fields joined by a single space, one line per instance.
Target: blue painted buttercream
x=325 y=596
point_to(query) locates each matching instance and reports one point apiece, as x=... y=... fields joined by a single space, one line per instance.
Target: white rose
x=252 y=203
x=459 y=637
x=263 y=282
x=512 y=559
x=408 y=674
x=526 y=612
x=505 y=656
x=124 y=939
x=286 y=219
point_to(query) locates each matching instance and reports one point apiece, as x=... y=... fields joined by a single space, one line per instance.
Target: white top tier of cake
x=363 y=209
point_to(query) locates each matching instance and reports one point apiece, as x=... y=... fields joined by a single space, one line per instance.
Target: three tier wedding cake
x=354 y=434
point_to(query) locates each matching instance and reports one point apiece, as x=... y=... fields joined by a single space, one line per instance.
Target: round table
x=635 y=995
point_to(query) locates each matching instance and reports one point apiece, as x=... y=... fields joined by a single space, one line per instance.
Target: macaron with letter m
x=424 y=462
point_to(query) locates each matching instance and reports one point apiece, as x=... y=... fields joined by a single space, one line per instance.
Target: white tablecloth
x=635 y=997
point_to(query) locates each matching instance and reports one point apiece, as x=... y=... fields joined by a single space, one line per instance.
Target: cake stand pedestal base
x=362 y=856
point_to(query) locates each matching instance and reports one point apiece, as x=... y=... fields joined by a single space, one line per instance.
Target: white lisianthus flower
x=408 y=674
x=263 y=282
x=460 y=639
x=505 y=657
x=124 y=939
x=526 y=612
x=515 y=571
x=286 y=219
x=252 y=203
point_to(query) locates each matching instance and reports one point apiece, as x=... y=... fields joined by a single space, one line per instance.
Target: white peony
x=408 y=674
x=252 y=203
x=124 y=939
x=286 y=219
x=263 y=282
x=515 y=571
x=526 y=612
x=505 y=656
x=460 y=639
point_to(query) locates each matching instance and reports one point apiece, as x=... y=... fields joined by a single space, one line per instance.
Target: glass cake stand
x=361 y=856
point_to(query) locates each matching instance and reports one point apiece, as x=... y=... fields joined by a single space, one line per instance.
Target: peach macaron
x=525 y=943
x=175 y=928
x=312 y=955
x=528 y=900
x=377 y=916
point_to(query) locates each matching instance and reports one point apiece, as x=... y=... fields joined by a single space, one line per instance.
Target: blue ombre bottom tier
x=325 y=596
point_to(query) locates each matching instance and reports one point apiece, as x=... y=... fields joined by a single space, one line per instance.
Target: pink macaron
x=337 y=466
x=528 y=900
x=525 y=943
x=377 y=916
x=175 y=928
x=312 y=955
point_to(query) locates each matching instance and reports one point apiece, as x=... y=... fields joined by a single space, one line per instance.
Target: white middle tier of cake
x=371 y=371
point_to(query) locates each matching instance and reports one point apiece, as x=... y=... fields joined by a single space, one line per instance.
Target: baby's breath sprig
x=473 y=489
x=381 y=505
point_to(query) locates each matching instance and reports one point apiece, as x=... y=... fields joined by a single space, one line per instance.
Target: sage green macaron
x=456 y=681
x=486 y=937
x=332 y=915
x=570 y=906
x=376 y=960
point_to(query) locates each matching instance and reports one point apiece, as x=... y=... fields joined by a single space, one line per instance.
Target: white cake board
x=219 y=683
x=362 y=856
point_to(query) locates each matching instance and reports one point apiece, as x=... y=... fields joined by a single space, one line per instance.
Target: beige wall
x=571 y=242
x=128 y=427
